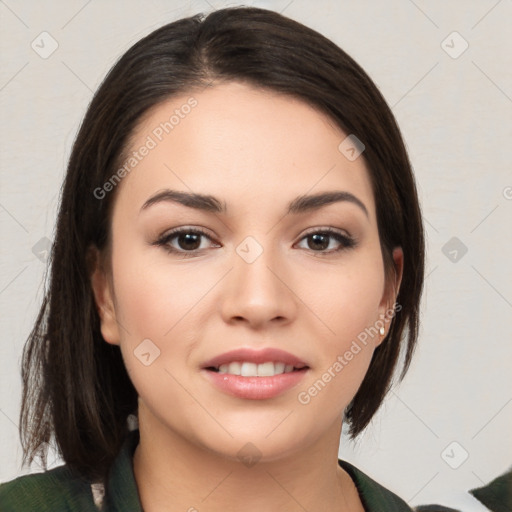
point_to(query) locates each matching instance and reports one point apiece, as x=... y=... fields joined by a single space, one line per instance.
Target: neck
x=174 y=474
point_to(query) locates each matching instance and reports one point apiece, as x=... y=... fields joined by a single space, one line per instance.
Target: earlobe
x=387 y=306
x=103 y=297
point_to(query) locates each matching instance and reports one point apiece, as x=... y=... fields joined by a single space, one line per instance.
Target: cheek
x=161 y=302
x=345 y=356
x=347 y=299
x=154 y=307
x=348 y=302
x=153 y=299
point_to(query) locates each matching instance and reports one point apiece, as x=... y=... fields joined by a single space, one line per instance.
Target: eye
x=188 y=241
x=321 y=239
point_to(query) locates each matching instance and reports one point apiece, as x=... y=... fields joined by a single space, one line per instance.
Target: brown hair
x=75 y=385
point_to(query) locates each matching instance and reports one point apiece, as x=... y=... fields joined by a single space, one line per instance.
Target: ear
x=103 y=296
x=391 y=291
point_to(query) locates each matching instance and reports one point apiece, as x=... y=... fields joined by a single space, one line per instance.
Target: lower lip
x=255 y=388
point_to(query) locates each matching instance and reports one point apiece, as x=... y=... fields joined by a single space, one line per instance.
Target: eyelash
x=346 y=242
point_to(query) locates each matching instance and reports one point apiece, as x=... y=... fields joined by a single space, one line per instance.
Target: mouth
x=249 y=369
x=252 y=374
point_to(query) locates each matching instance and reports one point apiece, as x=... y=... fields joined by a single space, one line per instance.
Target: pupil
x=189 y=238
x=316 y=238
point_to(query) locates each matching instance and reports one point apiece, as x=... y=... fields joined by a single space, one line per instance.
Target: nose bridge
x=257 y=291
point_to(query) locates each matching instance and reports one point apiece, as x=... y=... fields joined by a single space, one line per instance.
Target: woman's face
x=262 y=275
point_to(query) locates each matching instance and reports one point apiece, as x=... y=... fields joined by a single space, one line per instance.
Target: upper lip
x=255 y=356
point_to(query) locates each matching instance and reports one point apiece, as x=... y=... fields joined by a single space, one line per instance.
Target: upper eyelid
x=177 y=231
x=328 y=230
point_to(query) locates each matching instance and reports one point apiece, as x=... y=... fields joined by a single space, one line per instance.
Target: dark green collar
x=122 y=494
x=374 y=496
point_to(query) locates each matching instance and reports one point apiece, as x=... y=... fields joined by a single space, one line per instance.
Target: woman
x=232 y=268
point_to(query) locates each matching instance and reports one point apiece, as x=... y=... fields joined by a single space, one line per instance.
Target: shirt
x=56 y=490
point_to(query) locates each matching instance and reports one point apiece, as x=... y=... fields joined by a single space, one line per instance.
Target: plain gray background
x=454 y=107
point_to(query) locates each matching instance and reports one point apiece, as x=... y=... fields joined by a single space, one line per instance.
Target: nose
x=259 y=292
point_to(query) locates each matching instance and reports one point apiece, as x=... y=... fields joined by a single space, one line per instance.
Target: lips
x=251 y=383
x=258 y=357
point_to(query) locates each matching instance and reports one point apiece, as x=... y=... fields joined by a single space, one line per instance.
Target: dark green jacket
x=57 y=491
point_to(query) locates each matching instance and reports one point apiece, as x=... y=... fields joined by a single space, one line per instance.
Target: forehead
x=242 y=144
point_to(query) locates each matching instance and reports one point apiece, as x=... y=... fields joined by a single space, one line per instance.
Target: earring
x=382 y=331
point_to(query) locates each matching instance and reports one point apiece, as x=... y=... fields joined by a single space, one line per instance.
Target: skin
x=255 y=150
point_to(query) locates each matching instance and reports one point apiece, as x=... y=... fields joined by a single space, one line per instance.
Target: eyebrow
x=211 y=204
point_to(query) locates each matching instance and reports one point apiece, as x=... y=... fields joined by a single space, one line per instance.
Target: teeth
x=266 y=370
x=249 y=370
x=246 y=369
x=223 y=368
x=234 y=368
x=279 y=368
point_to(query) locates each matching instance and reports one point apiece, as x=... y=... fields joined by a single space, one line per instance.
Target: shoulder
x=54 y=490
x=374 y=496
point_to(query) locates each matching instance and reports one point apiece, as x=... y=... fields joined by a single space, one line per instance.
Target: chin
x=251 y=442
